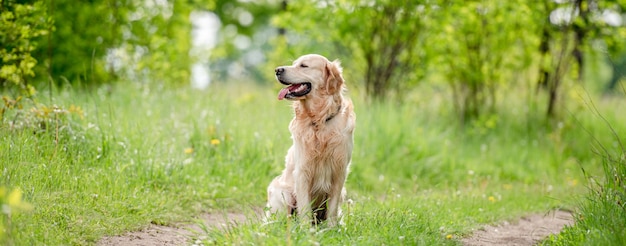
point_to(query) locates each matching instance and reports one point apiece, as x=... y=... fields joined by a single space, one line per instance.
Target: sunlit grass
x=143 y=154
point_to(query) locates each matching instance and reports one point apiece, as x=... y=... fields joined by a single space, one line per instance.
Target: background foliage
x=20 y=27
x=475 y=48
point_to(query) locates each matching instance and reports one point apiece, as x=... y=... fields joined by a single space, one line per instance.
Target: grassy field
x=120 y=157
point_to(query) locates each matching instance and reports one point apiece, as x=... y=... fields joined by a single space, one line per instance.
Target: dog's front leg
x=335 y=198
x=303 y=197
x=333 y=208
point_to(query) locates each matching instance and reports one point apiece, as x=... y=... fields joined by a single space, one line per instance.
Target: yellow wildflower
x=76 y=110
x=215 y=141
x=188 y=150
x=14 y=200
x=449 y=236
x=492 y=199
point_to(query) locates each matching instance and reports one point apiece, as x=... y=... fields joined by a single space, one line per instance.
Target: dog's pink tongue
x=283 y=93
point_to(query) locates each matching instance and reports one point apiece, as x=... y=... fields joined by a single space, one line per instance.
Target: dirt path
x=171 y=236
x=527 y=231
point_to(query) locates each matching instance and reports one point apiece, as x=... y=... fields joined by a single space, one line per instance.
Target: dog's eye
x=302 y=65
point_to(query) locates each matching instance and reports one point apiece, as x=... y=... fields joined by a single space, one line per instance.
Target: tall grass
x=601 y=215
x=140 y=154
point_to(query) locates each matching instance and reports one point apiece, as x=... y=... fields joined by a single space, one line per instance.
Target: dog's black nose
x=279 y=71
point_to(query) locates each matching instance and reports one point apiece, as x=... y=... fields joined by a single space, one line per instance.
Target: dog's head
x=309 y=76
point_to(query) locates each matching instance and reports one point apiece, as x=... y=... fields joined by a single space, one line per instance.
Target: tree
x=482 y=45
x=158 y=38
x=568 y=35
x=76 y=45
x=388 y=42
x=559 y=44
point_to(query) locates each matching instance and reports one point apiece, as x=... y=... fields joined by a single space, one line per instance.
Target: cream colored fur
x=316 y=165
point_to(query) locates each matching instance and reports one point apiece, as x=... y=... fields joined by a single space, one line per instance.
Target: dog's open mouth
x=294 y=91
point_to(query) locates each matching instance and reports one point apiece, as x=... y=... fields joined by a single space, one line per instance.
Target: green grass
x=601 y=214
x=142 y=154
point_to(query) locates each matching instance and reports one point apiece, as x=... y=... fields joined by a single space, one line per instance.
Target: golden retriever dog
x=312 y=183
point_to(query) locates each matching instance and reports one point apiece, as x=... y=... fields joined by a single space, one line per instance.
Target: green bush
x=20 y=26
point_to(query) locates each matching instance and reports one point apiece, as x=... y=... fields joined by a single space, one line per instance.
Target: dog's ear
x=334 y=79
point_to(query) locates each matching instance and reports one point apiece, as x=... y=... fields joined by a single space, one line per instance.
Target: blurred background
x=469 y=50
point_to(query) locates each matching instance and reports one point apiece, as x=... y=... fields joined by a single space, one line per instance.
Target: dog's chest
x=322 y=154
x=316 y=143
